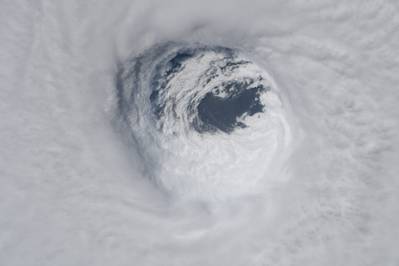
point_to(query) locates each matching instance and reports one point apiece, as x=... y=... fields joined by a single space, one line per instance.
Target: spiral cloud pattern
x=212 y=132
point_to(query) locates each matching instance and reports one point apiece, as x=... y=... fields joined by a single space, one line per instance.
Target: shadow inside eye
x=175 y=64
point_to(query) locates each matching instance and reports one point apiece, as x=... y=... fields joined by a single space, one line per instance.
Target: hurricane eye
x=194 y=109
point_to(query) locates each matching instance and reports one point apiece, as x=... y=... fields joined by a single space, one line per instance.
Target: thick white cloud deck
x=73 y=189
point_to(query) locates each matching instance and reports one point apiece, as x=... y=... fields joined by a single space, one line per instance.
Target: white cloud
x=72 y=193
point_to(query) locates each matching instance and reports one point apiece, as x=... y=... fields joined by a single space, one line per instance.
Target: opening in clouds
x=194 y=109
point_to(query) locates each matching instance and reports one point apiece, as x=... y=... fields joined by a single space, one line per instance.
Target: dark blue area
x=217 y=113
x=175 y=64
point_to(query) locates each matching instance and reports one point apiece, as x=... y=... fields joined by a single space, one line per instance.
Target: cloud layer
x=72 y=191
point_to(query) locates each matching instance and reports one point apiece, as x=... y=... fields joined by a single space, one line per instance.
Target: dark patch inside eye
x=221 y=113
